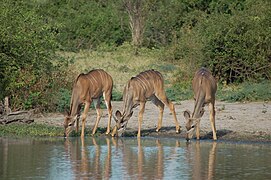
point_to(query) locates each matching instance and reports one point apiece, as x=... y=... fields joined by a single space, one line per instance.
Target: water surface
x=132 y=158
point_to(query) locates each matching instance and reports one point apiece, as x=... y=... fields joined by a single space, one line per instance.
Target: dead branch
x=18 y=116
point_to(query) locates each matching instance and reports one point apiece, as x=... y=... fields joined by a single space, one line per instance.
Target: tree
x=137 y=11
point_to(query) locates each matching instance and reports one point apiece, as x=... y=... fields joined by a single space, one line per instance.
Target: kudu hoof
x=178 y=130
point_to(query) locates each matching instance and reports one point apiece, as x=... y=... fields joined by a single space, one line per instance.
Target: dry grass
x=121 y=64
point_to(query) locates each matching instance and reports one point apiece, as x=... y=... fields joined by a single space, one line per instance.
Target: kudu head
x=121 y=123
x=191 y=123
x=68 y=124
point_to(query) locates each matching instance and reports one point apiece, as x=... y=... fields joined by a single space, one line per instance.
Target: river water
x=132 y=158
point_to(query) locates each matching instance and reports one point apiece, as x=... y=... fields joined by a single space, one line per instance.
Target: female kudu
x=87 y=88
x=146 y=85
x=204 y=88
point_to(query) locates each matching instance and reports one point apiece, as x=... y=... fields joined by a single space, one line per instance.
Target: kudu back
x=86 y=89
x=204 y=88
x=146 y=85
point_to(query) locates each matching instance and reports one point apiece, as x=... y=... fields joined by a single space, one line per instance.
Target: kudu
x=204 y=88
x=86 y=89
x=146 y=85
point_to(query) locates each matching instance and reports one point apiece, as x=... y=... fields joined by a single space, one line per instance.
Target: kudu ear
x=187 y=114
x=118 y=115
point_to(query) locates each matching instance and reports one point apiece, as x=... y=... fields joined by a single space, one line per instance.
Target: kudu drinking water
x=204 y=88
x=146 y=85
x=86 y=89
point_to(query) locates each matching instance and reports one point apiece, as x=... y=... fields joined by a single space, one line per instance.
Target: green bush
x=116 y=95
x=179 y=93
x=27 y=54
x=236 y=45
x=248 y=91
x=84 y=24
x=63 y=100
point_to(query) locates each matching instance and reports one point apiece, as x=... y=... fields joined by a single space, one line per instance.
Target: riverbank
x=234 y=121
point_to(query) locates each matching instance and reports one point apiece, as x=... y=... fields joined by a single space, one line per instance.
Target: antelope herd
x=147 y=85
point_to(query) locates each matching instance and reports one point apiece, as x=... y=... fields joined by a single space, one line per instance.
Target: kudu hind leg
x=170 y=105
x=161 y=107
x=140 y=117
x=212 y=119
x=107 y=99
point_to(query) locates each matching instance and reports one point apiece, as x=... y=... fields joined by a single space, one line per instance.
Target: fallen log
x=18 y=116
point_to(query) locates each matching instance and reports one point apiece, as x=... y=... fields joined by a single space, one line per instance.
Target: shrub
x=248 y=91
x=63 y=100
x=116 y=95
x=237 y=45
x=27 y=53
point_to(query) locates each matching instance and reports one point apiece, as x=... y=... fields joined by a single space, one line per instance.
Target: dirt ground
x=234 y=121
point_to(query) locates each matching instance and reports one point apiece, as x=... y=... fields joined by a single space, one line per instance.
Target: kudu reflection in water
x=86 y=166
x=199 y=162
x=89 y=162
x=141 y=162
x=147 y=159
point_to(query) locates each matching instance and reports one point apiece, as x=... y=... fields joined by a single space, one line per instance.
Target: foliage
x=116 y=95
x=230 y=37
x=181 y=88
x=179 y=93
x=84 y=24
x=248 y=91
x=27 y=48
x=237 y=45
x=63 y=100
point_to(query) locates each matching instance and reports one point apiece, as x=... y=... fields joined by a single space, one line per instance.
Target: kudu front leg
x=77 y=119
x=198 y=131
x=140 y=117
x=109 y=108
x=77 y=123
x=84 y=116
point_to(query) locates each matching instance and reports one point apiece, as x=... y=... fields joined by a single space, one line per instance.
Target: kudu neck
x=128 y=105
x=74 y=107
x=199 y=104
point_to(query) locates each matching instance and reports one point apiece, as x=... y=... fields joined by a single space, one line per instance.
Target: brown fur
x=146 y=85
x=204 y=88
x=87 y=88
